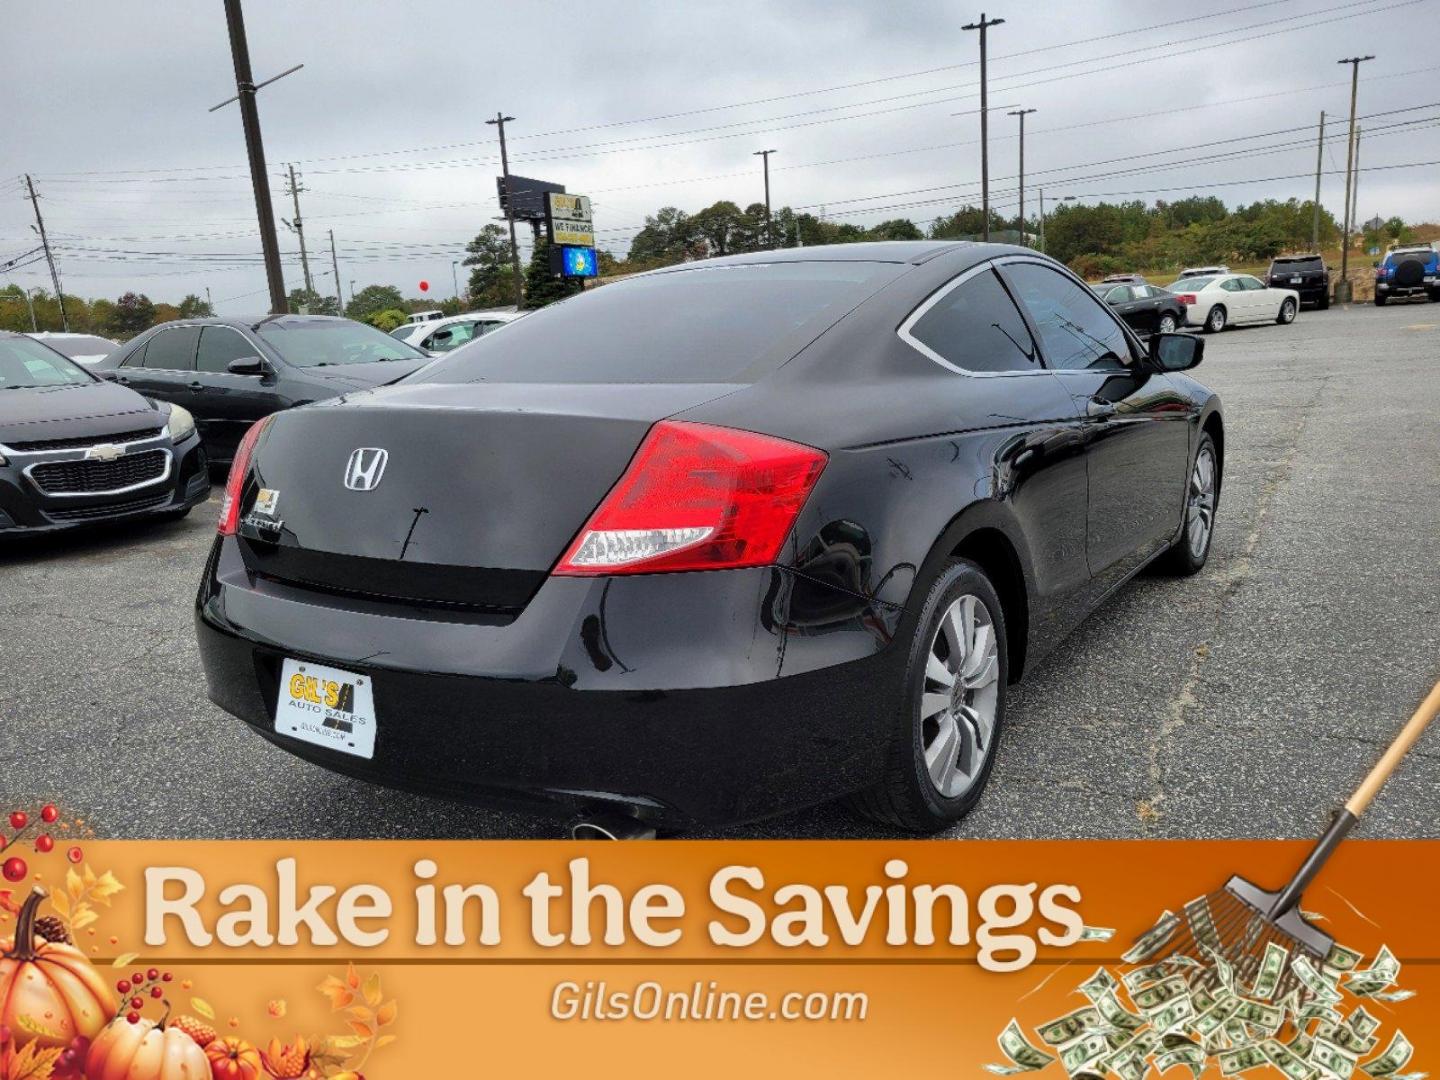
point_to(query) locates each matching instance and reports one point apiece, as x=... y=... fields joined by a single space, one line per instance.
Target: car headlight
x=181 y=424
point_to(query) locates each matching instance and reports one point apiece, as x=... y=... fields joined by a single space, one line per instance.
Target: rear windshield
x=1189 y=284
x=706 y=325
x=26 y=364
x=1305 y=263
x=327 y=344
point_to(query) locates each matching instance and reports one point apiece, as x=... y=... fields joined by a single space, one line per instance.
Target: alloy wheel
x=1217 y=318
x=1167 y=324
x=1200 y=502
x=1287 y=312
x=959 y=701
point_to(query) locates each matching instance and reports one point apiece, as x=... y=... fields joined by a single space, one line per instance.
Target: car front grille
x=100 y=477
x=108 y=510
x=39 y=445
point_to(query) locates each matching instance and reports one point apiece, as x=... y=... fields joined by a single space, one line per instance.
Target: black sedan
x=231 y=372
x=711 y=542
x=76 y=450
x=1146 y=308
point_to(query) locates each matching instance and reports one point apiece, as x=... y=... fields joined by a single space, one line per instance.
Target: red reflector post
x=235 y=481
x=697 y=497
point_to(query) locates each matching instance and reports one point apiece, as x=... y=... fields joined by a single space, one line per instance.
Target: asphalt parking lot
x=1245 y=702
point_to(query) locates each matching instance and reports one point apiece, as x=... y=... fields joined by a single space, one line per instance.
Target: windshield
x=74 y=345
x=708 y=325
x=1298 y=263
x=26 y=364
x=402 y=332
x=1189 y=284
x=331 y=343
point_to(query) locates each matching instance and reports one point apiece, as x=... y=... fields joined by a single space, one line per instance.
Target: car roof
x=885 y=251
x=252 y=322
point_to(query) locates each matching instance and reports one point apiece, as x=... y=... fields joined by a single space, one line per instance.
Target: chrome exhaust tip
x=610 y=827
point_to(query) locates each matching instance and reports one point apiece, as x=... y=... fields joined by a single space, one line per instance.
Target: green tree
x=492 y=276
x=133 y=313
x=311 y=302
x=720 y=225
x=372 y=299
x=669 y=236
x=387 y=320
x=541 y=286
x=896 y=229
x=192 y=307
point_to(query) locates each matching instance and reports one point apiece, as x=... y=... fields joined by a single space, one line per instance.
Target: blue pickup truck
x=1408 y=270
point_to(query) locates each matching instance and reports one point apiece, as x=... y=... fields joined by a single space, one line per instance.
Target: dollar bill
x=1287 y=1061
x=1102 y=982
x=1346 y=1038
x=1097 y=933
x=1382 y=973
x=1341 y=958
x=1272 y=966
x=1240 y=1059
x=1153 y=940
x=1223 y=971
x=1302 y=1044
x=1148 y=973
x=1267 y=1017
x=1115 y=1014
x=1160 y=994
x=1023 y=1057
x=1396 y=1056
x=1313 y=981
x=1361 y=1022
x=1192 y=1056
x=1391 y=996
x=1173 y=1015
x=1335 y=1060
x=1213 y=1019
x=1069 y=1027
x=1083 y=1052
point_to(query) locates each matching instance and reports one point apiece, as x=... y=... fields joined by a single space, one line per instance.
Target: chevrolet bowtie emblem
x=104 y=452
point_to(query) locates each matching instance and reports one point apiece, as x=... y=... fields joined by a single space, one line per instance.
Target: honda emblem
x=365 y=468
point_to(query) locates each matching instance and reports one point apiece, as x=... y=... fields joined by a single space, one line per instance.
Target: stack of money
x=1196 y=1012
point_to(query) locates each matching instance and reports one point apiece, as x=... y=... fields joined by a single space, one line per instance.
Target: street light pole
x=500 y=121
x=764 y=155
x=1022 y=113
x=455 y=278
x=1343 y=291
x=983 y=25
x=1042 y=221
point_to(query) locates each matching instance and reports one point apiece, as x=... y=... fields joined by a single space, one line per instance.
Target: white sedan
x=442 y=335
x=1218 y=301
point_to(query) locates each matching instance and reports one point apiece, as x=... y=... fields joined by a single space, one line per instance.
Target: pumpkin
x=49 y=993
x=145 y=1051
x=233 y=1059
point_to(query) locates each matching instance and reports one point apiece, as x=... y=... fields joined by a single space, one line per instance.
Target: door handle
x=197 y=386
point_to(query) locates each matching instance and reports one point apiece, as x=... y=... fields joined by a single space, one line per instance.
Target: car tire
x=1168 y=323
x=1323 y=304
x=1287 y=313
x=1216 y=319
x=1379 y=300
x=1191 y=549
x=926 y=784
x=1434 y=295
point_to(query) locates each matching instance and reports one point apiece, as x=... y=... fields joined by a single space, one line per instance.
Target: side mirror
x=109 y=376
x=1176 y=352
x=246 y=365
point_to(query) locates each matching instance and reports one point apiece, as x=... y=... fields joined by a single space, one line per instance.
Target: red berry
x=133 y=1017
x=166 y=977
x=44 y=844
x=15 y=869
x=123 y=986
x=138 y=978
x=19 y=819
x=156 y=992
x=152 y=974
x=49 y=814
x=137 y=1003
x=75 y=854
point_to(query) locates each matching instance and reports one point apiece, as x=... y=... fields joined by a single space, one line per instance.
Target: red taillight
x=1186 y=297
x=697 y=497
x=235 y=482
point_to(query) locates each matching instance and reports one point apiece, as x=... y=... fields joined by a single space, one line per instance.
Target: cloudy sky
x=871 y=106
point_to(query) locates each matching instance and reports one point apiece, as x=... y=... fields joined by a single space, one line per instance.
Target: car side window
x=452 y=337
x=173 y=349
x=219 y=345
x=975 y=327
x=1121 y=295
x=1250 y=284
x=1231 y=285
x=1076 y=330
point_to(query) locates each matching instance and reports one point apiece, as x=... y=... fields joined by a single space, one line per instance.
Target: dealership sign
x=568 y=219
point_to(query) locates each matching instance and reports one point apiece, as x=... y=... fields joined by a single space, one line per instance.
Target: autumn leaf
x=105 y=887
x=339 y=994
x=83 y=917
x=124 y=959
x=203 y=1007
x=372 y=989
x=386 y=1013
x=33 y=1063
x=384 y=1040
x=352 y=977
x=60 y=902
x=73 y=884
x=344 y=1042
x=365 y=1031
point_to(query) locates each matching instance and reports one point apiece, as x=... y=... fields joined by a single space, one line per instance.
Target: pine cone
x=52 y=929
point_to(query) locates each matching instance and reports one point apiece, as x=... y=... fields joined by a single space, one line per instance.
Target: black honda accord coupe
x=75 y=450
x=711 y=542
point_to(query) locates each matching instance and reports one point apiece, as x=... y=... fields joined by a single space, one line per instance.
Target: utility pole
x=209 y=303
x=299 y=228
x=1022 y=113
x=1042 y=221
x=500 y=121
x=335 y=266
x=1319 y=165
x=245 y=90
x=455 y=277
x=764 y=155
x=49 y=256
x=1355 y=195
x=1343 y=291
x=983 y=25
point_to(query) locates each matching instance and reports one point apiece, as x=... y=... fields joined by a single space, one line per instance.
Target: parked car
x=76 y=450
x=1148 y=309
x=448 y=334
x=1123 y=279
x=82 y=348
x=231 y=372
x=1306 y=274
x=1203 y=271
x=639 y=555
x=1409 y=270
x=1214 y=303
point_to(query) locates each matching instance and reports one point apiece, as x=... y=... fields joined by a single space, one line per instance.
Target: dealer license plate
x=327 y=707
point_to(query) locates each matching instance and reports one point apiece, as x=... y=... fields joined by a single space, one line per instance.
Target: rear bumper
x=25 y=508
x=686 y=699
